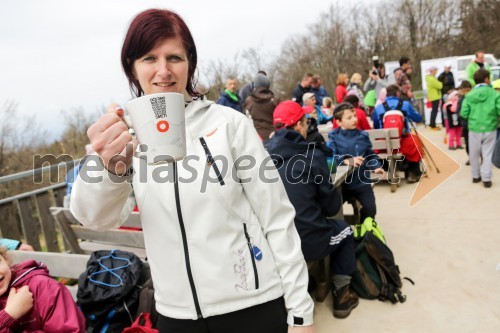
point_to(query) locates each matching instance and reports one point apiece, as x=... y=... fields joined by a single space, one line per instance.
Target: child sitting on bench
x=353 y=147
x=32 y=301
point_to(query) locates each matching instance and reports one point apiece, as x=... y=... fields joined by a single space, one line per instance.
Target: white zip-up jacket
x=203 y=218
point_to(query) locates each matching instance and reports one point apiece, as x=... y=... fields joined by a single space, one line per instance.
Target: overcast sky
x=64 y=54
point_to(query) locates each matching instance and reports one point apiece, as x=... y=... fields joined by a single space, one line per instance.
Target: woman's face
x=164 y=68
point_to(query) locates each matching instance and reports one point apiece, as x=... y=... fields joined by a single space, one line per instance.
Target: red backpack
x=394 y=118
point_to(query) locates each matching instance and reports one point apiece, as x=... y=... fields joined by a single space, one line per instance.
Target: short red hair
x=146 y=30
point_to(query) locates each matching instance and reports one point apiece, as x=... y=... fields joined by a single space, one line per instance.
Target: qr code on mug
x=159 y=107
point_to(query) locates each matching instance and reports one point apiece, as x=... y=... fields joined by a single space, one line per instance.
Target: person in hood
x=481 y=107
x=260 y=105
x=353 y=147
x=229 y=97
x=218 y=226
x=248 y=87
x=304 y=172
x=32 y=301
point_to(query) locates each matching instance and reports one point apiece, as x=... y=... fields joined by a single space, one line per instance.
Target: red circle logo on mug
x=162 y=126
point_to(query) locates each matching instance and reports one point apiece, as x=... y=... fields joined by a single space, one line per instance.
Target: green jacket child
x=482 y=108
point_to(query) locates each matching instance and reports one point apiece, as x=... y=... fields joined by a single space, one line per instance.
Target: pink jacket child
x=32 y=301
x=453 y=122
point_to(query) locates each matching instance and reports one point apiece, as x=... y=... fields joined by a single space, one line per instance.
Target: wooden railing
x=27 y=216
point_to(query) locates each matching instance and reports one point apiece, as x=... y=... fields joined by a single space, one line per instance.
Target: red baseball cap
x=308 y=109
x=288 y=113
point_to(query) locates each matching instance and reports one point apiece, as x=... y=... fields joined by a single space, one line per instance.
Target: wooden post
x=29 y=225
x=8 y=222
x=47 y=221
x=59 y=201
x=67 y=232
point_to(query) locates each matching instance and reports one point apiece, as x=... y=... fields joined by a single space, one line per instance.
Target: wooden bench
x=84 y=240
x=59 y=264
x=387 y=142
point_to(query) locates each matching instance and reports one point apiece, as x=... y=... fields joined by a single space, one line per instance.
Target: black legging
x=434 y=112
x=269 y=317
x=465 y=133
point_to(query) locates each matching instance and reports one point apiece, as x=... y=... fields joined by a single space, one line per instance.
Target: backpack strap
x=400 y=105
x=381 y=116
x=386 y=106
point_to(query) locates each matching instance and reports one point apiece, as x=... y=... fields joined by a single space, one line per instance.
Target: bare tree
x=74 y=137
x=7 y=125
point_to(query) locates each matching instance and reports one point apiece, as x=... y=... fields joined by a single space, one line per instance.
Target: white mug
x=158 y=121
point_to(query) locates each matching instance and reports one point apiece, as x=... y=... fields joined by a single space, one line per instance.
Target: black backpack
x=108 y=291
x=377 y=275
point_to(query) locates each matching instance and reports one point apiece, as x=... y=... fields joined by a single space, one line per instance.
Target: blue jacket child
x=349 y=142
x=352 y=143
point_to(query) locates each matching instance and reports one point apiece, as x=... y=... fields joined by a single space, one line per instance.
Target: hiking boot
x=476 y=180
x=435 y=128
x=452 y=148
x=344 y=300
x=487 y=184
x=412 y=178
x=460 y=147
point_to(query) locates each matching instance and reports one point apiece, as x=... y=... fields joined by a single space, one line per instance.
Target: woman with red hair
x=224 y=254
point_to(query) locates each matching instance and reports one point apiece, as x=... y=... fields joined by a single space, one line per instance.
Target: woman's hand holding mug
x=112 y=141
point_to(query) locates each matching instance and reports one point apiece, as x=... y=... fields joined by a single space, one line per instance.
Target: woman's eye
x=174 y=58
x=150 y=58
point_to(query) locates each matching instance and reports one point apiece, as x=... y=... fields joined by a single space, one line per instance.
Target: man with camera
x=378 y=78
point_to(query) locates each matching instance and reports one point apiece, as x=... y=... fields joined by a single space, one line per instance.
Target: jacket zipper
x=250 y=248
x=185 y=244
x=211 y=161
